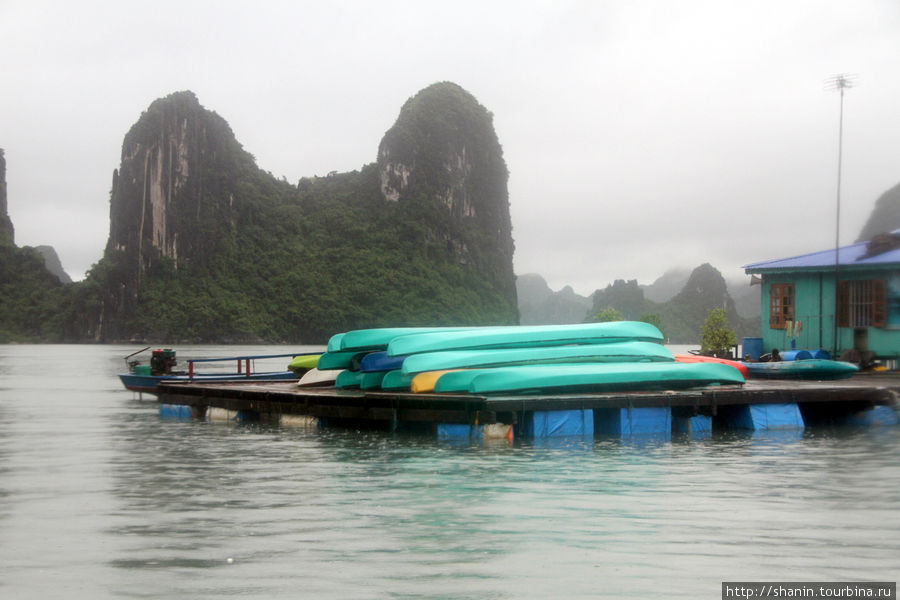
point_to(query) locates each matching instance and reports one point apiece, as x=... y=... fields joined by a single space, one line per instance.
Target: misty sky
x=640 y=135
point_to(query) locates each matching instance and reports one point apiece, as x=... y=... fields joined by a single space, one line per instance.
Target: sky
x=640 y=135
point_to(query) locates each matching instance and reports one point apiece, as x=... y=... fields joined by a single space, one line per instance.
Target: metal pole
x=837 y=226
x=838 y=82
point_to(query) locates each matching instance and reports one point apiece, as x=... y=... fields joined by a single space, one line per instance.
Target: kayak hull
x=813 y=369
x=588 y=353
x=532 y=379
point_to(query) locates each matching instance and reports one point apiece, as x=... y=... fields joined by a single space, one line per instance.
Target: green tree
x=716 y=337
x=606 y=315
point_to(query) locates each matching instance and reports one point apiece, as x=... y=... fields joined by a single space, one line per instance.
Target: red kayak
x=695 y=358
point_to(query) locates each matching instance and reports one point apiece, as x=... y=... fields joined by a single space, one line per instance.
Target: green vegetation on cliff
x=30 y=295
x=208 y=247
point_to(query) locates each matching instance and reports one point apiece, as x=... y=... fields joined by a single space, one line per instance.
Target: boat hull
x=150 y=383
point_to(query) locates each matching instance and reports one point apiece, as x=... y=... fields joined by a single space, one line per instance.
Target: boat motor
x=162 y=362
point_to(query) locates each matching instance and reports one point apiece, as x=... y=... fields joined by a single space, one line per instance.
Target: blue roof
x=850 y=256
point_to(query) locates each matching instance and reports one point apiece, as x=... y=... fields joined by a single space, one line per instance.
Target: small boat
x=813 y=368
x=146 y=378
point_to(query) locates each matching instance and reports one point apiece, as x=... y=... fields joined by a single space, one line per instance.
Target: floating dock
x=865 y=399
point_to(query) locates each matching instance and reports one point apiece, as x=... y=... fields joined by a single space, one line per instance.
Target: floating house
x=844 y=300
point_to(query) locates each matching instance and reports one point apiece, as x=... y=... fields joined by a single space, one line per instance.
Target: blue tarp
x=759 y=417
x=560 y=423
x=634 y=421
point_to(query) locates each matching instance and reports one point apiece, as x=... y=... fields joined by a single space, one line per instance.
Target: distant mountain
x=51 y=261
x=746 y=297
x=539 y=305
x=33 y=299
x=665 y=287
x=626 y=297
x=885 y=216
x=683 y=314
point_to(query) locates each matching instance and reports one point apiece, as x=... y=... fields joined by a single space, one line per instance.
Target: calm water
x=100 y=498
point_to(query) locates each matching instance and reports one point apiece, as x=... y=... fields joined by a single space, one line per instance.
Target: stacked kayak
x=543 y=379
x=590 y=357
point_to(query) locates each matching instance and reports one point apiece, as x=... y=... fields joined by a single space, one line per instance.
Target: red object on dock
x=695 y=358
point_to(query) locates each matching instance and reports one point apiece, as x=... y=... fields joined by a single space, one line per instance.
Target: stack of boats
x=591 y=357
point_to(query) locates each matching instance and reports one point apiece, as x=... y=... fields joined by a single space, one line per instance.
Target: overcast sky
x=640 y=135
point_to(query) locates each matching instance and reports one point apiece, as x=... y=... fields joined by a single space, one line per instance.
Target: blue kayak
x=380 y=361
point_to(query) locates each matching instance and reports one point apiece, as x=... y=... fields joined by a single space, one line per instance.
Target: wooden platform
x=822 y=398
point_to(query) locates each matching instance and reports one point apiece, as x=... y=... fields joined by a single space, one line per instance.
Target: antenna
x=839 y=83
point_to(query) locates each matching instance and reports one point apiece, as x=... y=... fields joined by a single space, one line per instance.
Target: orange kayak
x=695 y=358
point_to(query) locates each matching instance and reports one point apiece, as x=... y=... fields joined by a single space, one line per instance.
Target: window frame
x=782 y=304
x=862 y=303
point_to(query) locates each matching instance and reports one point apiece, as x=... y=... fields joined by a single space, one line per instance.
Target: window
x=781 y=305
x=862 y=303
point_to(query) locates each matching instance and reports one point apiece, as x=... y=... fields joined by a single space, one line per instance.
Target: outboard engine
x=162 y=362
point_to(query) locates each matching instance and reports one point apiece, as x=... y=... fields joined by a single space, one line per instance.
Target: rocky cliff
x=53 y=264
x=7 y=233
x=885 y=216
x=443 y=161
x=205 y=246
x=173 y=195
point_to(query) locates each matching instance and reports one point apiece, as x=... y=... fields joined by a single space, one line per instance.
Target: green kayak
x=341 y=360
x=498 y=357
x=348 y=379
x=378 y=339
x=812 y=368
x=601 y=377
x=334 y=342
x=523 y=337
x=303 y=363
x=396 y=380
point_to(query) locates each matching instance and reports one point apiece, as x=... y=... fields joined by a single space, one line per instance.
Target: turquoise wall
x=814 y=297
